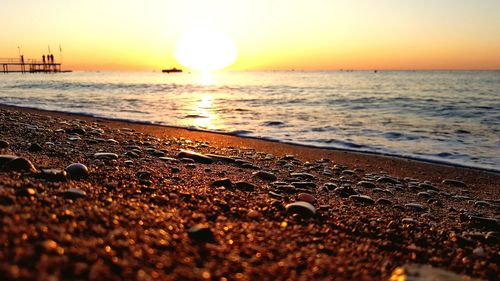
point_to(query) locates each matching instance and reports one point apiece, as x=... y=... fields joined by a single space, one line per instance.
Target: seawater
x=444 y=116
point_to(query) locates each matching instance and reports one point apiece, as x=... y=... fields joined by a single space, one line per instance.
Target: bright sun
x=205 y=50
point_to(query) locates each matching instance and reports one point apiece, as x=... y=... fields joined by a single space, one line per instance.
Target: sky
x=268 y=34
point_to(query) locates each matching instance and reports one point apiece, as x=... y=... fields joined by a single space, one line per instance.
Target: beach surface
x=163 y=203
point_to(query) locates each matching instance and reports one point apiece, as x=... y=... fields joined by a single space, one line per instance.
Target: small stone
x=54 y=174
x=345 y=191
x=201 y=234
x=26 y=192
x=268 y=176
x=35 y=147
x=428 y=186
x=302 y=208
x=367 y=184
x=455 y=183
x=479 y=252
x=4 y=144
x=78 y=131
x=50 y=246
x=424 y=195
x=488 y=223
x=275 y=195
x=363 y=199
x=169 y=159
x=158 y=153
x=330 y=186
x=197 y=157
x=306 y=176
x=74 y=193
x=131 y=154
x=4 y=159
x=306 y=197
x=383 y=201
x=105 y=155
x=225 y=182
x=408 y=221
x=77 y=171
x=481 y=204
x=253 y=214
x=415 y=207
x=387 y=180
x=304 y=184
x=20 y=164
x=243 y=185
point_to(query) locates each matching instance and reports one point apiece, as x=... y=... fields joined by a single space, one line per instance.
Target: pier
x=22 y=65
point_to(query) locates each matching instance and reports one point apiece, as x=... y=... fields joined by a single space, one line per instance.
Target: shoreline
x=242 y=208
x=277 y=142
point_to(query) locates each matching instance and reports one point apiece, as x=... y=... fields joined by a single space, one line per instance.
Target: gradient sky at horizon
x=269 y=34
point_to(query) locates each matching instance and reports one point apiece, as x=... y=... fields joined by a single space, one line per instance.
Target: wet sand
x=149 y=211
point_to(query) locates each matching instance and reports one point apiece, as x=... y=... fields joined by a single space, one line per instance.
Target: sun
x=205 y=50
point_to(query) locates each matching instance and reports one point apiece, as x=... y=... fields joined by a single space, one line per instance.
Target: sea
x=448 y=117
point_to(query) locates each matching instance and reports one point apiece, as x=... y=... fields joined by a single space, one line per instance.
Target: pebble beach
x=85 y=198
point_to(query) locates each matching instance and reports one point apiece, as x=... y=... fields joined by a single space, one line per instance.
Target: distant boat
x=171 y=70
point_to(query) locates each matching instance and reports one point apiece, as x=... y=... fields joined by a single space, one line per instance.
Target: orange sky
x=269 y=34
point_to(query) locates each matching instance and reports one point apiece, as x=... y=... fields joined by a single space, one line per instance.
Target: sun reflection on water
x=207 y=117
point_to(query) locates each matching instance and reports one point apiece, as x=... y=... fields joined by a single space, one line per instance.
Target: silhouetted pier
x=29 y=66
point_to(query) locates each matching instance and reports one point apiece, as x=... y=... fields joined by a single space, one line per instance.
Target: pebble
x=275 y=195
x=4 y=159
x=197 y=157
x=54 y=174
x=367 y=184
x=303 y=175
x=387 y=180
x=4 y=144
x=253 y=214
x=345 y=191
x=131 y=154
x=201 y=234
x=330 y=186
x=481 y=204
x=20 y=164
x=74 y=193
x=408 y=221
x=364 y=199
x=225 y=182
x=158 y=153
x=35 y=147
x=383 y=201
x=304 y=184
x=455 y=183
x=26 y=192
x=77 y=171
x=243 y=185
x=268 y=176
x=428 y=186
x=302 y=208
x=105 y=155
x=415 y=207
x=424 y=195
x=488 y=223
x=169 y=159
x=306 y=197
x=479 y=252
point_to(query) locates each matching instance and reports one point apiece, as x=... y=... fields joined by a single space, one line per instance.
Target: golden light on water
x=205 y=50
x=207 y=117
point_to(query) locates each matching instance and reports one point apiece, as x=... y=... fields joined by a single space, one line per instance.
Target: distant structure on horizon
x=171 y=70
x=47 y=64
